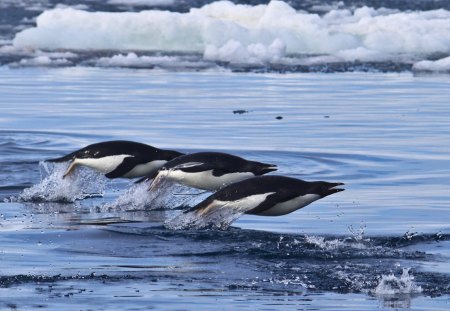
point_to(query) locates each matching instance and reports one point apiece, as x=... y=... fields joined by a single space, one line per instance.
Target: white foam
x=333 y=244
x=136 y=197
x=249 y=34
x=165 y=195
x=441 y=65
x=220 y=218
x=53 y=188
x=294 y=280
x=393 y=285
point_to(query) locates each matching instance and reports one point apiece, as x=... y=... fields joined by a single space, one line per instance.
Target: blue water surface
x=382 y=243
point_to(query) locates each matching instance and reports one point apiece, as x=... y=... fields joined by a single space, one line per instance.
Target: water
x=378 y=126
x=382 y=242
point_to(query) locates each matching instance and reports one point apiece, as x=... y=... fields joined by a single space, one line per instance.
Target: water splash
x=391 y=285
x=358 y=234
x=220 y=218
x=165 y=195
x=135 y=198
x=397 y=292
x=83 y=183
x=333 y=244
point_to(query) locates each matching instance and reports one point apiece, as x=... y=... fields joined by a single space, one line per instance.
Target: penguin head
x=259 y=168
x=327 y=188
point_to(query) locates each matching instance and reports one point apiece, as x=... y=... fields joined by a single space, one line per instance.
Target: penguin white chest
x=206 y=180
x=104 y=165
x=250 y=202
x=289 y=206
x=241 y=205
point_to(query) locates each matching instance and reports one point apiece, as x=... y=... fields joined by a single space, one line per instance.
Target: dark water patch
x=411 y=238
x=434 y=284
x=7 y=281
x=272 y=246
x=356 y=66
x=232 y=260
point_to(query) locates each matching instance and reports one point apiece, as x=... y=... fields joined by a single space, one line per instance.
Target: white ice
x=441 y=65
x=247 y=34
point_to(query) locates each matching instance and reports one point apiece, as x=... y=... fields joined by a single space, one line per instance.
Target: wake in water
x=347 y=264
x=220 y=218
x=84 y=183
x=164 y=195
x=137 y=197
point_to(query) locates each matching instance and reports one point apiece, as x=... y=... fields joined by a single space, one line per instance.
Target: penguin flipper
x=147 y=177
x=188 y=166
x=127 y=165
x=193 y=167
x=70 y=169
x=205 y=207
x=269 y=202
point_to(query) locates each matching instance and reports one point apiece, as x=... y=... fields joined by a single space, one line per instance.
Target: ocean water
x=351 y=91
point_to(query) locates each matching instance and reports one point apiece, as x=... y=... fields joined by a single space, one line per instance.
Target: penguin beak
x=269 y=168
x=334 y=189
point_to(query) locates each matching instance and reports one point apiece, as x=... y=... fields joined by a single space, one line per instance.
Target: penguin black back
x=118 y=158
x=221 y=163
x=118 y=147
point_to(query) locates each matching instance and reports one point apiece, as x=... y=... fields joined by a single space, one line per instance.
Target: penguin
x=269 y=195
x=119 y=158
x=209 y=170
